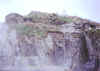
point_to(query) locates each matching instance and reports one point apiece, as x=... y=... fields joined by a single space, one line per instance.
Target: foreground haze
x=41 y=41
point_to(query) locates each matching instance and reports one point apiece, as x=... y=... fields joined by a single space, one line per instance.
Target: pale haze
x=89 y=9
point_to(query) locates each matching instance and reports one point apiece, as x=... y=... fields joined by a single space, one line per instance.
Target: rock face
x=95 y=37
x=14 y=18
x=70 y=46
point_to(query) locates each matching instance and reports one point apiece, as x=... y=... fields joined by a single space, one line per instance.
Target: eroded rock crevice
x=65 y=44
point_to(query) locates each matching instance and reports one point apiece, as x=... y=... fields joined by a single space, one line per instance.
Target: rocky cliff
x=49 y=42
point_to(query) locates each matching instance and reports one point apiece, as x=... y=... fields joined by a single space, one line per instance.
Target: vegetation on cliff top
x=39 y=23
x=36 y=29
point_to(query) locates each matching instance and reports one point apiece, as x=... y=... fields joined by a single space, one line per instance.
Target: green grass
x=23 y=29
x=98 y=31
x=38 y=29
x=37 y=16
x=40 y=17
x=65 y=19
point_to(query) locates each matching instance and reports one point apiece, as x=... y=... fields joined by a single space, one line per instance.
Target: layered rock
x=71 y=46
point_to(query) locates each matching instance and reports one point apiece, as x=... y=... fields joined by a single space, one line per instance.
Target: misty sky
x=89 y=9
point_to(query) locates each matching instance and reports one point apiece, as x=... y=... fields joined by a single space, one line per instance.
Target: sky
x=89 y=9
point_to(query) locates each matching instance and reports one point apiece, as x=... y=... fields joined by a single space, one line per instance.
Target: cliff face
x=69 y=43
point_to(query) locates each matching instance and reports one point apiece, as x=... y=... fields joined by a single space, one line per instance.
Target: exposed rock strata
x=74 y=45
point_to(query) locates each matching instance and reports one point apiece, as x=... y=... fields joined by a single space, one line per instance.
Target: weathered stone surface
x=70 y=46
x=14 y=18
x=95 y=37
